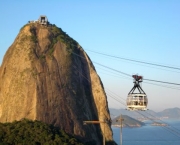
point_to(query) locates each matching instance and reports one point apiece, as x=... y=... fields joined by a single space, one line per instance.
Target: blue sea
x=150 y=135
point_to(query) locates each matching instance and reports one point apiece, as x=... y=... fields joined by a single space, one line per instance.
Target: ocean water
x=150 y=135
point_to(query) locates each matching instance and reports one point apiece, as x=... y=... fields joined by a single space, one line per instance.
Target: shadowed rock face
x=47 y=76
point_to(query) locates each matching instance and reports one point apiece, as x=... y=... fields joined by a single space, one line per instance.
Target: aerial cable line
x=167 y=129
x=116 y=75
x=178 y=131
x=125 y=73
x=163 y=86
x=112 y=72
x=111 y=94
x=115 y=99
x=175 y=88
x=172 y=131
x=170 y=87
x=159 y=65
x=104 y=65
x=175 y=131
x=113 y=69
x=161 y=82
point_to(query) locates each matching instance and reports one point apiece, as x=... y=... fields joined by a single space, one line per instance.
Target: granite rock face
x=47 y=76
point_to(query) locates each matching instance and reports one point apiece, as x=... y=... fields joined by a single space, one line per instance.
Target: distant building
x=42 y=20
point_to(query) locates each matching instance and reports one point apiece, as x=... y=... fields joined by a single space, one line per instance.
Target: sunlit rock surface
x=47 y=76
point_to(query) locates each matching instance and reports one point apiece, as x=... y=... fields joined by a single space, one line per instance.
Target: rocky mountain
x=127 y=122
x=47 y=76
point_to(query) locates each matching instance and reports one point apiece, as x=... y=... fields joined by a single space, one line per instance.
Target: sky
x=142 y=30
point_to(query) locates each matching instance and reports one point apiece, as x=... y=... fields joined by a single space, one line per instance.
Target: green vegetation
x=61 y=36
x=26 y=132
x=34 y=38
x=42 y=57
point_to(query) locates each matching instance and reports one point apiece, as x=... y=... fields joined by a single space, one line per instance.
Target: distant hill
x=134 y=114
x=170 y=113
x=167 y=113
x=128 y=122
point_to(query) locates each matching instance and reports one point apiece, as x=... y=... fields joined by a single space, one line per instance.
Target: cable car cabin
x=137 y=101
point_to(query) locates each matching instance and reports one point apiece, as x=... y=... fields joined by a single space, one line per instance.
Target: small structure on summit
x=43 y=20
